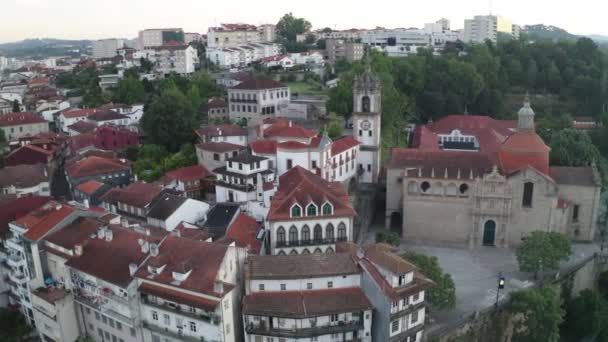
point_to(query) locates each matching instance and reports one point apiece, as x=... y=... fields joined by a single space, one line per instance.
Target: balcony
x=243 y=101
x=14 y=244
x=261 y=328
x=407 y=310
x=410 y=333
x=170 y=333
x=313 y=242
x=210 y=318
x=17 y=277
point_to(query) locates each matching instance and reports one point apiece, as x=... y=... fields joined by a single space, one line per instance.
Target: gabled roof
x=303 y=304
x=82 y=127
x=17 y=119
x=183 y=255
x=221 y=130
x=89 y=187
x=432 y=164
x=302 y=266
x=138 y=194
x=14 y=209
x=109 y=260
x=96 y=166
x=78 y=113
x=75 y=233
x=259 y=83
x=189 y=173
x=289 y=131
x=106 y=115
x=165 y=206
x=573 y=175
x=216 y=102
x=243 y=232
x=264 y=146
x=343 y=144
x=303 y=187
x=39 y=222
x=23 y=176
x=219 y=218
x=220 y=147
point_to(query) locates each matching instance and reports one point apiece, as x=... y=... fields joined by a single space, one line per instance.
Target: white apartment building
x=190 y=291
x=245 y=178
x=158 y=37
x=291 y=298
x=308 y=215
x=107 y=48
x=23 y=124
x=179 y=59
x=486 y=27
x=257 y=98
x=241 y=55
x=234 y=35
x=192 y=37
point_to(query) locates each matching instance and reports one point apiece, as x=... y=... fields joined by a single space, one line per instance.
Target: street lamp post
x=500 y=286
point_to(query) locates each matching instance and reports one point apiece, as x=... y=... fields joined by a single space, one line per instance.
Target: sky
x=96 y=19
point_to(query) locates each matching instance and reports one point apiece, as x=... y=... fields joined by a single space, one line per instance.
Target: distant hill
x=548 y=32
x=45 y=47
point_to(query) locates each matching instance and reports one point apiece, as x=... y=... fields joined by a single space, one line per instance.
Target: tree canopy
x=570 y=147
x=586 y=316
x=13 y=327
x=288 y=28
x=443 y=295
x=541 y=314
x=543 y=251
x=129 y=91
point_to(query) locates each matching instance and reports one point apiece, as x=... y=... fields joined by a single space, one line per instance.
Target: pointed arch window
x=305 y=234
x=342 y=232
x=329 y=232
x=318 y=233
x=281 y=236
x=296 y=211
x=327 y=209
x=293 y=235
x=311 y=210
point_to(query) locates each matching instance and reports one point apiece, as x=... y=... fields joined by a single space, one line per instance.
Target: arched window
x=281 y=236
x=425 y=186
x=293 y=252
x=293 y=235
x=305 y=234
x=528 y=194
x=463 y=188
x=318 y=251
x=282 y=253
x=305 y=251
x=365 y=104
x=341 y=232
x=329 y=232
x=318 y=233
x=327 y=209
x=296 y=211
x=311 y=210
x=329 y=250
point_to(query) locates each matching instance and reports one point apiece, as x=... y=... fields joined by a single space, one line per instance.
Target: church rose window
x=463 y=188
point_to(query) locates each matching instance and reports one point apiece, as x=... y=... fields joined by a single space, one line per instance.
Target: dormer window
x=296 y=211
x=327 y=209
x=311 y=210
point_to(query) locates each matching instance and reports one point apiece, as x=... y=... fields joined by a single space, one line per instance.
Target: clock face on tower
x=365 y=125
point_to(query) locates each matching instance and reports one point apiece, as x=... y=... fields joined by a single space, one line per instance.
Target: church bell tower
x=367 y=107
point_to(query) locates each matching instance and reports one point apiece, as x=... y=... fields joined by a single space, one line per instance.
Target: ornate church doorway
x=489 y=233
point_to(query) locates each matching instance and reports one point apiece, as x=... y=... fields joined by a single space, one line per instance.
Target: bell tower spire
x=525 y=117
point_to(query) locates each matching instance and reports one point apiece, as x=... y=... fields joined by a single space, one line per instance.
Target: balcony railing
x=312 y=242
x=170 y=333
x=17 y=277
x=243 y=101
x=207 y=317
x=15 y=261
x=15 y=244
x=262 y=328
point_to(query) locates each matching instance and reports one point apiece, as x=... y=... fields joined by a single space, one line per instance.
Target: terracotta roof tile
x=299 y=266
x=343 y=144
x=50 y=294
x=138 y=194
x=264 y=146
x=17 y=119
x=303 y=304
x=14 y=209
x=178 y=296
x=220 y=147
x=221 y=130
x=106 y=115
x=96 y=166
x=190 y=173
x=39 y=222
x=89 y=187
x=289 y=131
x=258 y=83
x=83 y=127
x=75 y=233
x=78 y=113
x=243 y=231
x=23 y=176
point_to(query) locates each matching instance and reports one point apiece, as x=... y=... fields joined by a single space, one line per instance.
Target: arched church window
x=425 y=186
x=528 y=194
x=305 y=234
x=365 y=104
x=293 y=234
x=281 y=235
x=463 y=188
x=329 y=232
x=342 y=232
x=318 y=233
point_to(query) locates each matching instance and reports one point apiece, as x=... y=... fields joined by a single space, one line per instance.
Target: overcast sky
x=94 y=19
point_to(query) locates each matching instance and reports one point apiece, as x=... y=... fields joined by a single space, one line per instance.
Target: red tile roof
x=96 y=166
x=23 y=176
x=303 y=187
x=39 y=222
x=264 y=146
x=109 y=260
x=14 y=209
x=259 y=83
x=17 y=119
x=289 y=131
x=292 y=145
x=420 y=282
x=106 y=115
x=89 y=187
x=343 y=144
x=303 y=304
x=573 y=175
x=178 y=296
x=183 y=255
x=272 y=267
x=138 y=194
x=83 y=127
x=216 y=102
x=243 y=231
x=522 y=149
x=221 y=130
x=75 y=233
x=78 y=113
x=28 y=154
x=433 y=164
x=190 y=173
x=220 y=147
x=40 y=80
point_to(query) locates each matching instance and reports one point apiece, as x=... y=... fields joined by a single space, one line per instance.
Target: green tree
x=540 y=314
x=335 y=126
x=443 y=295
x=194 y=96
x=389 y=237
x=586 y=316
x=289 y=27
x=13 y=327
x=571 y=147
x=129 y=91
x=543 y=251
x=2 y=142
x=170 y=119
x=16 y=106
x=321 y=44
